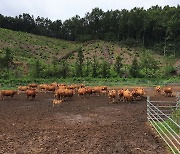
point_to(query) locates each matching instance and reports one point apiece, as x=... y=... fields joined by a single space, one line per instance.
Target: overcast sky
x=65 y=9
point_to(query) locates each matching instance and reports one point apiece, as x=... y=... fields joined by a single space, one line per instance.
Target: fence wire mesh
x=163 y=122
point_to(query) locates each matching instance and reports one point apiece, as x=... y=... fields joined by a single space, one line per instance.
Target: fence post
x=148 y=99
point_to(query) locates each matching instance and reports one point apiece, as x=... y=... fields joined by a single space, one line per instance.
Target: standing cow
x=8 y=93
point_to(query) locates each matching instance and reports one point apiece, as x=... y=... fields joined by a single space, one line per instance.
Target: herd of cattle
x=63 y=92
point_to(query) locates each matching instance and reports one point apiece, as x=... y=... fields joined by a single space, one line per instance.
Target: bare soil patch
x=89 y=125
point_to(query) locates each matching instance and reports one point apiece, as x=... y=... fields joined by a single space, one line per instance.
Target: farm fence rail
x=159 y=115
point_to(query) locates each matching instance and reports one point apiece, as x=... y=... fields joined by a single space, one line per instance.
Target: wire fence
x=160 y=115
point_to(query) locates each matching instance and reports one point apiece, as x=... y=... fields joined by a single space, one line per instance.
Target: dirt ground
x=88 y=125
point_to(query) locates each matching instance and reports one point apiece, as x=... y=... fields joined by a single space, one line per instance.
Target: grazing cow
x=112 y=95
x=127 y=96
x=158 y=89
x=8 y=93
x=31 y=93
x=167 y=91
x=56 y=102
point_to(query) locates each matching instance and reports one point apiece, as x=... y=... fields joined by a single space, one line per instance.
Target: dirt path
x=90 y=125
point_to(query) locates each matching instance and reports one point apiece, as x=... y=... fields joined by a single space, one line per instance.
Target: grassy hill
x=28 y=47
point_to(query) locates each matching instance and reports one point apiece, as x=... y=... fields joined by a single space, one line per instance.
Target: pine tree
x=37 y=69
x=95 y=66
x=79 y=63
x=64 y=69
x=105 y=69
x=88 y=67
x=134 y=69
x=118 y=65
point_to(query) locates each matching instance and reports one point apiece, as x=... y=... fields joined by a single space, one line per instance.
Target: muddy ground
x=88 y=125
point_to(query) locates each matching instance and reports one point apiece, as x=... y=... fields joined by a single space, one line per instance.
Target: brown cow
x=97 y=90
x=8 y=93
x=32 y=85
x=31 y=93
x=112 y=95
x=120 y=94
x=68 y=93
x=55 y=84
x=22 y=88
x=59 y=93
x=127 y=96
x=167 y=91
x=56 y=102
x=138 y=92
x=89 y=91
x=42 y=87
x=158 y=89
x=81 y=92
x=50 y=88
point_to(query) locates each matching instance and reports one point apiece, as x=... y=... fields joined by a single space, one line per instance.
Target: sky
x=65 y=9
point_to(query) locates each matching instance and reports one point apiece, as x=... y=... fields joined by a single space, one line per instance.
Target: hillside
x=28 y=47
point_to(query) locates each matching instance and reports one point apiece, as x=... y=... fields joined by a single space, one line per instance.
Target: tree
x=134 y=69
x=7 y=59
x=88 y=67
x=118 y=65
x=64 y=68
x=95 y=66
x=37 y=69
x=105 y=69
x=79 y=63
x=148 y=64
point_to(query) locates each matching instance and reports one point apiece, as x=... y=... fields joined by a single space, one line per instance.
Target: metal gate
x=160 y=115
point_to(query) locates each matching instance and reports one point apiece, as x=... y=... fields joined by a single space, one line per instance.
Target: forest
x=157 y=27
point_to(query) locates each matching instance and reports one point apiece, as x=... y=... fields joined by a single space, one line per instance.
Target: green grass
x=111 y=82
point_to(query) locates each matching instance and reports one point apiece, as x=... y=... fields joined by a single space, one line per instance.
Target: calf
x=158 y=89
x=56 y=102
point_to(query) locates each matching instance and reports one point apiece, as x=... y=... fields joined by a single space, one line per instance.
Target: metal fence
x=159 y=114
